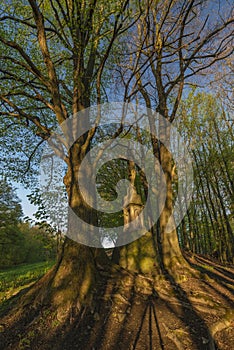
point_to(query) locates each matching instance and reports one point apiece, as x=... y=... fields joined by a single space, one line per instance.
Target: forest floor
x=188 y=312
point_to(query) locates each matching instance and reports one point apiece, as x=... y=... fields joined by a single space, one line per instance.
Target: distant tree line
x=19 y=241
x=209 y=223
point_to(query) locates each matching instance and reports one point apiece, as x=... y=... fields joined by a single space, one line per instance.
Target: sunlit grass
x=13 y=279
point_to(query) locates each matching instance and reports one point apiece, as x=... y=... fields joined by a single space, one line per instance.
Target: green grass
x=13 y=279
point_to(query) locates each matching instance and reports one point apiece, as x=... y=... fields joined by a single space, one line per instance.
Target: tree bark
x=172 y=255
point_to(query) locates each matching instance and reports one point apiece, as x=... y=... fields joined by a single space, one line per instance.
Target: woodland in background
x=208 y=226
x=21 y=242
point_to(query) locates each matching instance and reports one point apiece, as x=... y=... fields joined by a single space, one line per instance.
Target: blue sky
x=27 y=207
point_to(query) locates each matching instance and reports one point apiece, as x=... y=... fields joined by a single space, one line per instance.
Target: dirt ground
x=136 y=313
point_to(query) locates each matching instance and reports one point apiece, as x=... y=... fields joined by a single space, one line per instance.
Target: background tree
x=210 y=218
x=39 y=243
x=10 y=207
x=10 y=216
x=20 y=242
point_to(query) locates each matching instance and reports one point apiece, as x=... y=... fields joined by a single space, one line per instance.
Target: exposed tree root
x=125 y=310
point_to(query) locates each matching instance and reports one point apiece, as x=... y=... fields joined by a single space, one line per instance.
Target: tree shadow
x=192 y=318
x=146 y=321
x=226 y=279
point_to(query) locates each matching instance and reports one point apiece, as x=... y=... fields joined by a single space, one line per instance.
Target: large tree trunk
x=141 y=256
x=75 y=276
x=171 y=253
x=170 y=245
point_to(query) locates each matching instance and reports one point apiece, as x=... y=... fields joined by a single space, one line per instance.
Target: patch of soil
x=134 y=312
